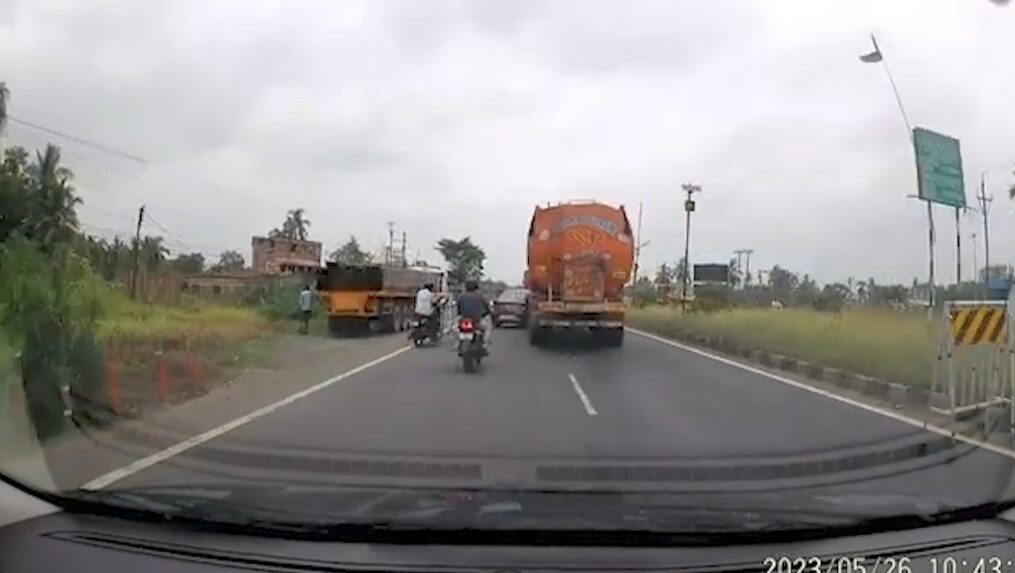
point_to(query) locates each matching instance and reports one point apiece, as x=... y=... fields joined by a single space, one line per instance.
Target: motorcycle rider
x=426 y=310
x=471 y=304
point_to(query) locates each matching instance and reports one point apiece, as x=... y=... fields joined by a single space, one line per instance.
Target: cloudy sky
x=454 y=118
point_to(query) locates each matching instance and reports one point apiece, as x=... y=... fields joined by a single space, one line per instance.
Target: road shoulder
x=87 y=453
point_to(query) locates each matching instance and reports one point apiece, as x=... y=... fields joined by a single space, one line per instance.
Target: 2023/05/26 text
x=895 y=564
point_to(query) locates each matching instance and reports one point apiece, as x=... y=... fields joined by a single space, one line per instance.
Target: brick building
x=227 y=285
x=285 y=256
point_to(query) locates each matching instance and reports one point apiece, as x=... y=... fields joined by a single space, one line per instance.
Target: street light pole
x=690 y=189
x=878 y=56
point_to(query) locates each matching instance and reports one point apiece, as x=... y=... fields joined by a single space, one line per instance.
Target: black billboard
x=712 y=274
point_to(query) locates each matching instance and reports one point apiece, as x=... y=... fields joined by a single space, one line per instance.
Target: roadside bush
x=643 y=293
x=279 y=301
x=49 y=305
x=711 y=299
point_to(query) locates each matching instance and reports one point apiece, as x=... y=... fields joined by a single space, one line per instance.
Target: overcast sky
x=455 y=118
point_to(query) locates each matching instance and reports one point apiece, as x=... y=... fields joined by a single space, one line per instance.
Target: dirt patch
x=140 y=376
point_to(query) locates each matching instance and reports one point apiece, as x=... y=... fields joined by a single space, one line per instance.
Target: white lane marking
x=582 y=396
x=176 y=449
x=855 y=403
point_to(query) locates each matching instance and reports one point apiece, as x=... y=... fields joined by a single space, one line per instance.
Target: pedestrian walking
x=306 y=306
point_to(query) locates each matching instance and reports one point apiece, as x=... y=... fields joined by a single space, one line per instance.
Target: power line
x=99 y=229
x=90 y=207
x=131 y=156
x=79 y=140
x=175 y=239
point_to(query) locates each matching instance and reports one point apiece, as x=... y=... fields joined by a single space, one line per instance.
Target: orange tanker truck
x=580 y=256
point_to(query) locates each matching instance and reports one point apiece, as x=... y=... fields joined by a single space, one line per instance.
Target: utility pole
x=747 y=272
x=738 y=265
x=742 y=255
x=638 y=245
x=689 y=205
x=391 y=244
x=405 y=261
x=137 y=253
x=985 y=212
x=974 y=258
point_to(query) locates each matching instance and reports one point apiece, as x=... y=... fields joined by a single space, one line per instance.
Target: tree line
x=776 y=285
x=464 y=258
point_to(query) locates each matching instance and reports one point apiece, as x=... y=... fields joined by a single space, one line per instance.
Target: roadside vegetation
x=896 y=346
x=858 y=325
x=66 y=298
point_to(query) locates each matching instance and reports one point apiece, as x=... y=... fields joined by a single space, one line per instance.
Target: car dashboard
x=60 y=540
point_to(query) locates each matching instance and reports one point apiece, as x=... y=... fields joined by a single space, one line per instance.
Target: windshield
x=755 y=257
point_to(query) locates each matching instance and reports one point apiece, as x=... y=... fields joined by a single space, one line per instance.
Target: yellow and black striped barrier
x=980 y=324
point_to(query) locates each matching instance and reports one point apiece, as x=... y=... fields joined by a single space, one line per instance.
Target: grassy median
x=890 y=345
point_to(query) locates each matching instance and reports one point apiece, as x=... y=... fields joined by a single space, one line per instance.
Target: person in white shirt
x=306 y=307
x=425 y=309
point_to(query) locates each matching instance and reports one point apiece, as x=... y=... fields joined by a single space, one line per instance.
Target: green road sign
x=939 y=168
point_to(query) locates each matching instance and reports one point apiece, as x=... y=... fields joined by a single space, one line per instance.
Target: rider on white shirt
x=426 y=308
x=424 y=301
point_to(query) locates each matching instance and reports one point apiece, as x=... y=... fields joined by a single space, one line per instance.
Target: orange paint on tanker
x=579 y=251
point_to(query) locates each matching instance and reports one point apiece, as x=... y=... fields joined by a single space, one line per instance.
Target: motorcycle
x=470 y=344
x=425 y=329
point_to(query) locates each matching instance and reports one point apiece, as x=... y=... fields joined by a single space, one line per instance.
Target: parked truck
x=372 y=298
x=580 y=256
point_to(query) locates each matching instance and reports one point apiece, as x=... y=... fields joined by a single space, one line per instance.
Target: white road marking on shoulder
x=176 y=449
x=855 y=403
x=582 y=396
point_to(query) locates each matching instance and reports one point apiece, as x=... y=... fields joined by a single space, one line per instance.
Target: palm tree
x=296 y=226
x=5 y=94
x=47 y=170
x=153 y=252
x=52 y=216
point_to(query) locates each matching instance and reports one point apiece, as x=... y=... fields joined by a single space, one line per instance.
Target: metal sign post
x=939 y=179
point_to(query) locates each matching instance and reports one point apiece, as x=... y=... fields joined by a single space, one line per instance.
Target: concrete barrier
x=787 y=363
x=811 y=370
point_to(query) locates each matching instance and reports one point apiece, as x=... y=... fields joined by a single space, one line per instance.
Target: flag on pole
x=874 y=56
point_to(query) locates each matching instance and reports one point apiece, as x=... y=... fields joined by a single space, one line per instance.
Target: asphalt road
x=646 y=416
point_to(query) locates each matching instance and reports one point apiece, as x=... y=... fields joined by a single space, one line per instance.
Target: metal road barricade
x=976 y=361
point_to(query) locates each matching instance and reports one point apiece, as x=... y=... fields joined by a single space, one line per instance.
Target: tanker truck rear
x=580 y=256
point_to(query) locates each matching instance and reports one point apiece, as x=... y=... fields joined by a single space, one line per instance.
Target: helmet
x=471 y=285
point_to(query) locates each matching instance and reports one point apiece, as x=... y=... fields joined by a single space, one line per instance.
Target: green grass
x=130 y=320
x=894 y=346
